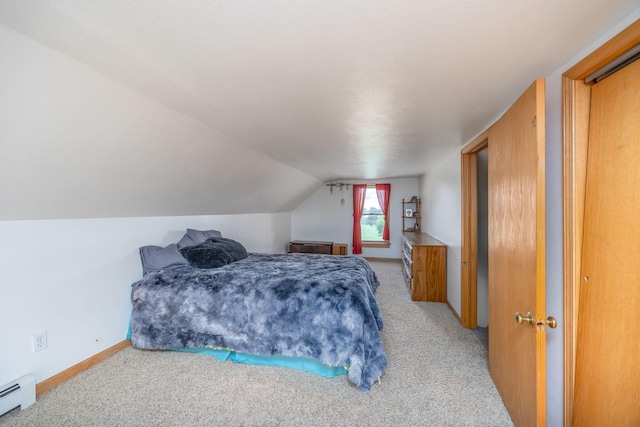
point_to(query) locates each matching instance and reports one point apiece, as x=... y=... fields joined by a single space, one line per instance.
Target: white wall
x=72 y=278
x=440 y=190
x=322 y=217
x=75 y=143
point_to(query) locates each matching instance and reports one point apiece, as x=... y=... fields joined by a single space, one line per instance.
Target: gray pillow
x=155 y=258
x=195 y=237
x=214 y=252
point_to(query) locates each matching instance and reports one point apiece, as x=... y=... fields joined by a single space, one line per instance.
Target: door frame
x=469 y=264
x=576 y=98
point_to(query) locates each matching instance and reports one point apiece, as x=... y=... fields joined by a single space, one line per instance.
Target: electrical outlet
x=40 y=341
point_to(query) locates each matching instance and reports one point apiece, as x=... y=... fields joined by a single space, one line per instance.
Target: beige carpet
x=437 y=376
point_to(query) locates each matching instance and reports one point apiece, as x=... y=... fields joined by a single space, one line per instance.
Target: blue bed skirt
x=301 y=363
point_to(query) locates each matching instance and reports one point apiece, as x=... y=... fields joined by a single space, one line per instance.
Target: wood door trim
x=541 y=250
x=621 y=43
x=576 y=106
x=478 y=143
x=469 y=271
x=576 y=100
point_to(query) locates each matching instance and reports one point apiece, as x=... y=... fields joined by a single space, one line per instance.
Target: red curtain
x=383 y=191
x=359 y=193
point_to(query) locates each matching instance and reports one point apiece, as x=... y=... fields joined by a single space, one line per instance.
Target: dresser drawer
x=408 y=265
x=408 y=279
x=407 y=249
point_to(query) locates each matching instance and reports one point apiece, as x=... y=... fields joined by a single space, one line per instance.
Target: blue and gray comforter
x=301 y=305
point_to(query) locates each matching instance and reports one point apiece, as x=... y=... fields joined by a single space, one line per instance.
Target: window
x=370 y=216
x=372 y=221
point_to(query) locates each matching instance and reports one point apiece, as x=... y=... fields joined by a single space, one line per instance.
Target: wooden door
x=517 y=256
x=607 y=385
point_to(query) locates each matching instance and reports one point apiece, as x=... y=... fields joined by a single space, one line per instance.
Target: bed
x=214 y=296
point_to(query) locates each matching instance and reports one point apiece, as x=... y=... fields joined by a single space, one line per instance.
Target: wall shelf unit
x=411 y=211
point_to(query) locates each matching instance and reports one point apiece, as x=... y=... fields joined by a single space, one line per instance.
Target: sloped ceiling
x=311 y=90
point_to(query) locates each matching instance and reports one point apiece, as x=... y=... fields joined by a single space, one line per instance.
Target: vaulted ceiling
x=333 y=89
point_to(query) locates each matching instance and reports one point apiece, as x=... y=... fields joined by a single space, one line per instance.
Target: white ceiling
x=337 y=89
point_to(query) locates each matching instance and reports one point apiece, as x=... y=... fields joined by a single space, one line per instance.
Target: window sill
x=370 y=244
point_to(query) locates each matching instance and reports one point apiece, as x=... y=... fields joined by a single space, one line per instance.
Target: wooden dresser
x=424 y=262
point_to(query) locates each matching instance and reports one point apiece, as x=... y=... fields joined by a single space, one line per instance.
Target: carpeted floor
x=483 y=335
x=437 y=376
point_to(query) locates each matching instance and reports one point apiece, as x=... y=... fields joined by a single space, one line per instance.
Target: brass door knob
x=528 y=318
x=550 y=322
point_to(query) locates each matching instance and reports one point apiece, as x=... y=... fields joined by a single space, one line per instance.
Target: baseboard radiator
x=21 y=392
